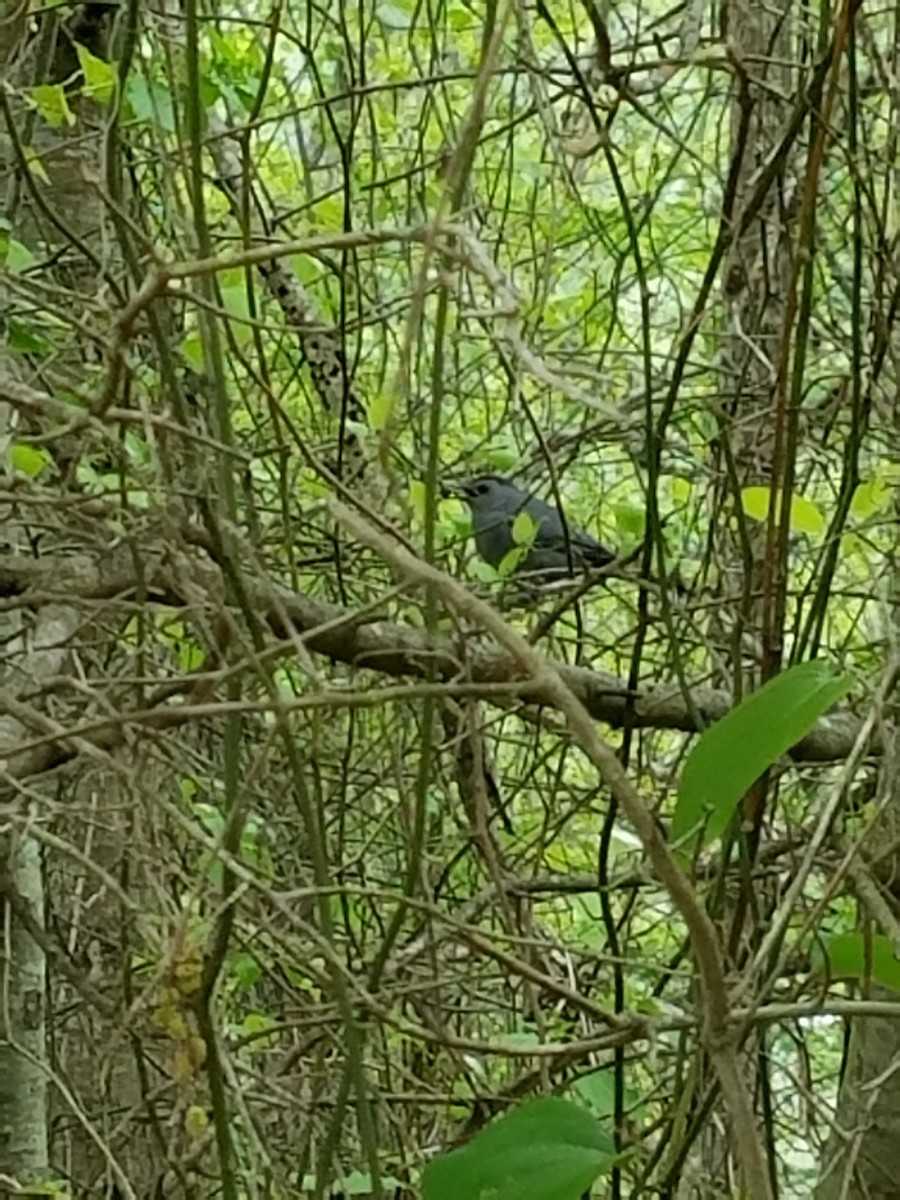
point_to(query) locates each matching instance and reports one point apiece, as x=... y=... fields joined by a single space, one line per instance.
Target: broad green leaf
x=460 y=19
x=150 y=102
x=245 y=970
x=806 y=517
x=307 y=269
x=25 y=338
x=35 y=162
x=510 y=561
x=547 y=1149
x=47 y=1187
x=869 y=498
x=50 y=101
x=191 y=656
x=417 y=498
x=234 y=298
x=732 y=754
x=682 y=489
x=631 y=519
x=598 y=1091
x=251 y=841
x=357 y=1183
x=854 y=956
x=99 y=76
x=488 y=574
x=29 y=460
x=502 y=458
x=854 y=549
x=328 y=212
x=524 y=528
x=381 y=409
x=755 y=502
x=211 y=817
x=210 y=92
x=16 y=256
x=191 y=348
x=170 y=631
x=262 y=1027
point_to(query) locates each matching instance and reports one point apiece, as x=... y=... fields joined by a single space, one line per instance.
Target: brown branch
x=383 y=646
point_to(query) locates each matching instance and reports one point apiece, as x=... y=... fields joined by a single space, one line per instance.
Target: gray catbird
x=495 y=503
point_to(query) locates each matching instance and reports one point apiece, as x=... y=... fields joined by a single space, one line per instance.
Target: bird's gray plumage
x=495 y=503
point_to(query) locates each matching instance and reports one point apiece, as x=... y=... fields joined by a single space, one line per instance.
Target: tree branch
x=359 y=640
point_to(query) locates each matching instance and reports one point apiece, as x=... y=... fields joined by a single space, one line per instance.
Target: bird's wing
x=583 y=544
x=545 y=515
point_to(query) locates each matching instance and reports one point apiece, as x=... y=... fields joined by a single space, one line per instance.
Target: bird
x=552 y=548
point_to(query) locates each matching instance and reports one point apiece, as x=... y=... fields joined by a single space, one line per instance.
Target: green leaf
x=210 y=816
x=328 y=212
x=236 y=302
x=251 y=846
x=806 y=517
x=191 y=656
x=307 y=269
x=487 y=574
x=25 y=339
x=50 y=101
x=631 y=519
x=869 y=498
x=524 y=528
x=191 y=348
x=755 y=502
x=245 y=970
x=502 y=457
x=682 y=489
x=29 y=460
x=99 y=76
x=235 y=298
x=357 y=1183
x=855 y=956
x=547 y=1149
x=263 y=1028
x=16 y=256
x=734 y=752
x=417 y=498
x=381 y=409
x=508 y=562
x=36 y=164
x=47 y=1187
x=597 y=1091
x=150 y=103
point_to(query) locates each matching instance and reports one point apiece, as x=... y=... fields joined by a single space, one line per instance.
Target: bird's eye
x=481 y=489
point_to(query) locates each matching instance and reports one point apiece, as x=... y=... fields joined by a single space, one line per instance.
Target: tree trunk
x=34 y=650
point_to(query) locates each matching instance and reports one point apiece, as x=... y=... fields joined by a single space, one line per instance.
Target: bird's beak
x=453 y=491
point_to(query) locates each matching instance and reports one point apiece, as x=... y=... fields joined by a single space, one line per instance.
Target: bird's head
x=484 y=492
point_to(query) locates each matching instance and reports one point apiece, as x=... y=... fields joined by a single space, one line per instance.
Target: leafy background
x=510 y=267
